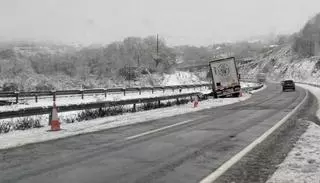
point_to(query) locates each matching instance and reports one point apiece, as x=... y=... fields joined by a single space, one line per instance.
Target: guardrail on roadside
x=94 y=105
x=105 y=91
x=91 y=105
x=37 y=94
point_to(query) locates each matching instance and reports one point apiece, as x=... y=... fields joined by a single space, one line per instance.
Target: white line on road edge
x=160 y=129
x=228 y=164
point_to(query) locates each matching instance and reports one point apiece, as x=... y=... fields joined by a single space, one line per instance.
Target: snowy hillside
x=282 y=63
x=181 y=78
x=295 y=57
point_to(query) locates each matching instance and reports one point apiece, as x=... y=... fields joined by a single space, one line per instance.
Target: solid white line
x=159 y=129
x=224 y=167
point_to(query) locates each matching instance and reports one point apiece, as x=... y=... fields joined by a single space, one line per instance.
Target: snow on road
x=18 y=138
x=302 y=165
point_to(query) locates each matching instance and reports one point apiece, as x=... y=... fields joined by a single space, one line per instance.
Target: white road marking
x=160 y=129
x=228 y=164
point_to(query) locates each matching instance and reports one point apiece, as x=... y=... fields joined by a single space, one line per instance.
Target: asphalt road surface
x=183 y=148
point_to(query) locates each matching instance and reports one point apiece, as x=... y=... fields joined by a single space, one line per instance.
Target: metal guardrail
x=93 y=105
x=37 y=94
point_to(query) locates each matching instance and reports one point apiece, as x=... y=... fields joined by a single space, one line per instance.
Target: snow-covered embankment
x=302 y=163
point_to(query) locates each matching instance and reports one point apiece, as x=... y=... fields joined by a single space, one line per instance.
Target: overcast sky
x=194 y=22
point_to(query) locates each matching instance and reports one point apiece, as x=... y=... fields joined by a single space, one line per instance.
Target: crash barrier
x=30 y=111
x=92 y=105
x=54 y=94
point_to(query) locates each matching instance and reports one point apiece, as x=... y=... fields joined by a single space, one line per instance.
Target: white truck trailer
x=225 y=78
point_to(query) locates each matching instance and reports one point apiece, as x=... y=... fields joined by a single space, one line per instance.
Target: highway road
x=183 y=148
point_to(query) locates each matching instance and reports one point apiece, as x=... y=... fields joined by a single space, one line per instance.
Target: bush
x=7 y=54
x=128 y=73
x=116 y=110
x=144 y=72
x=21 y=124
x=5 y=127
x=10 y=87
x=98 y=113
x=43 y=86
x=27 y=123
x=149 y=106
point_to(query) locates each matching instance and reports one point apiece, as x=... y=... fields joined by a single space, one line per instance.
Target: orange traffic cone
x=195 y=102
x=55 y=123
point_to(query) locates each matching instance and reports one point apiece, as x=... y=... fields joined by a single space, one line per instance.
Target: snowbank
x=258 y=90
x=248 y=84
x=18 y=138
x=316 y=92
x=303 y=162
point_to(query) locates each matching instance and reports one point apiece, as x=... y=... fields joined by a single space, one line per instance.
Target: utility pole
x=129 y=76
x=157 y=46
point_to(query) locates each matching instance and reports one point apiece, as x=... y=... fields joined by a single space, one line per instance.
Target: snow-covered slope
x=282 y=63
x=302 y=163
x=181 y=78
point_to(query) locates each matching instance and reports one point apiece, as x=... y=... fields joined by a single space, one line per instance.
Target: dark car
x=288 y=84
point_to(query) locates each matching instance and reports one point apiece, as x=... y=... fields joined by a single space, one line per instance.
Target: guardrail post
x=36 y=98
x=105 y=93
x=17 y=96
x=139 y=91
x=54 y=95
x=152 y=90
x=178 y=101
x=163 y=89
x=124 y=92
x=180 y=90
x=159 y=103
x=134 y=108
x=82 y=94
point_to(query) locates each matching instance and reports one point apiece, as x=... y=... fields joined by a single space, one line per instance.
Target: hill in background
x=135 y=62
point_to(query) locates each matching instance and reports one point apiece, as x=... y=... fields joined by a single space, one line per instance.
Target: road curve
x=183 y=148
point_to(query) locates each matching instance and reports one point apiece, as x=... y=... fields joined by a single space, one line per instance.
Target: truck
x=225 y=78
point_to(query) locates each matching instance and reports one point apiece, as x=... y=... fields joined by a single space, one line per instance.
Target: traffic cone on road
x=55 y=123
